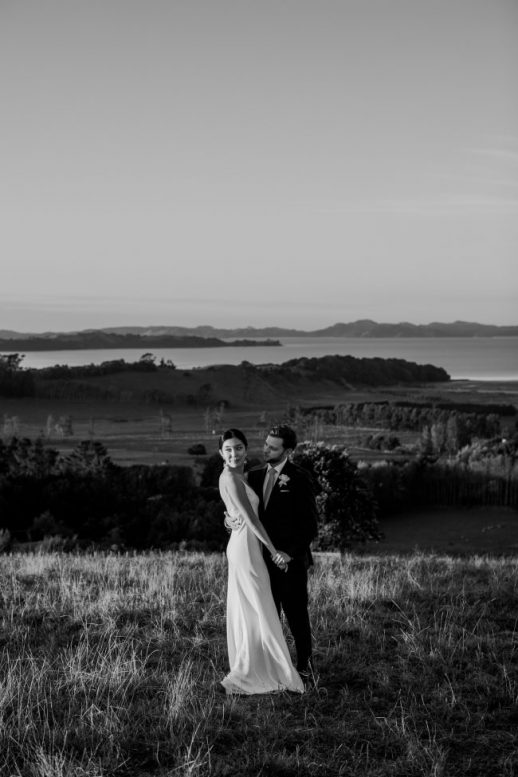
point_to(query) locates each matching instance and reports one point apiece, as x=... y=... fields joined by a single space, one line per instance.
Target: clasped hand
x=279 y=558
x=232 y=522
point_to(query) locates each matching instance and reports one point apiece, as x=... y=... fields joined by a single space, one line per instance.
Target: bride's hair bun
x=229 y=434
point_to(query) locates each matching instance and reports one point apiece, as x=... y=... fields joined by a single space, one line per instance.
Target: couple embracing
x=272 y=514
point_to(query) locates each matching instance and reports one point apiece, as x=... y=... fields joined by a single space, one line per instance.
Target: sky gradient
x=286 y=163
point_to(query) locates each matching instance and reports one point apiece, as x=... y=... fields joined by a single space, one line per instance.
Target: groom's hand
x=281 y=560
x=232 y=522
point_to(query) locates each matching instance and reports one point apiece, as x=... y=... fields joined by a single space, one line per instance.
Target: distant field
x=143 y=433
x=137 y=433
x=109 y=664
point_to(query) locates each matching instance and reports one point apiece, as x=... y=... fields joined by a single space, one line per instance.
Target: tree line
x=443 y=427
x=482 y=474
x=85 y=500
x=368 y=371
x=413 y=416
x=73 y=382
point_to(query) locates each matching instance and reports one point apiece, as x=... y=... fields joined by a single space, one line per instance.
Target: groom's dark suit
x=290 y=518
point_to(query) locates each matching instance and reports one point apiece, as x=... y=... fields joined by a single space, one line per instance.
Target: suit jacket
x=290 y=517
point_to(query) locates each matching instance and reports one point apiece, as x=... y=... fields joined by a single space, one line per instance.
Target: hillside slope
x=242 y=385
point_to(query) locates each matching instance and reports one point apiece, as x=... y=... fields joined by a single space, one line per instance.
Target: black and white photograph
x=258 y=388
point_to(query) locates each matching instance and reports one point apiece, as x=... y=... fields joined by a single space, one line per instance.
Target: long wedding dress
x=258 y=654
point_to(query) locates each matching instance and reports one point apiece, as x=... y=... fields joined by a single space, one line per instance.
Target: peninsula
x=102 y=339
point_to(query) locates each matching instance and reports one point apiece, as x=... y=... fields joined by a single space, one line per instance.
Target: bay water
x=477 y=358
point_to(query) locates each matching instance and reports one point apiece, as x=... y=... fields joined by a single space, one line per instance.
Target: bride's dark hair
x=229 y=434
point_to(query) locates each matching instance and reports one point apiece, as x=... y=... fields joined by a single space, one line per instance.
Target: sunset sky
x=230 y=162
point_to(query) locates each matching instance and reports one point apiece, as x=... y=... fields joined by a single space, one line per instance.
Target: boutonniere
x=283 y=480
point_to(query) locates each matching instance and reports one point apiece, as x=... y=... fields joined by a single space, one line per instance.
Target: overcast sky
x=257 y=162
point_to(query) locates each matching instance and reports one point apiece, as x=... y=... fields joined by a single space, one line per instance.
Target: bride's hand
x=280 y=560
x=232 y=522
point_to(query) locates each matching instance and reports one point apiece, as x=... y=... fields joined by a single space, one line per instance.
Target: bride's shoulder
x=231 y=480
x=224 y=475
x=227 y=476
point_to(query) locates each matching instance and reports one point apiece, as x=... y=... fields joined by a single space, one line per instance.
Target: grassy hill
x=150 y=415
x=295 y=380
x=111 y=665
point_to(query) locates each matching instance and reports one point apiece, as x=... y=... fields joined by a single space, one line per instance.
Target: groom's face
x=274 y=451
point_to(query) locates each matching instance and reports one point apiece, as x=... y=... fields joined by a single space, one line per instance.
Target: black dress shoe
x=307 y=667
x=307 y=679
x=308 y=675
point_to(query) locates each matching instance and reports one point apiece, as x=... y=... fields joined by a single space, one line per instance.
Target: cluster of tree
x=69 y=382
x=347 y=509
x=80 y=390
x=444 y=429
x=73 y=382
x=86 y=499
x=412 y=415
x=358 y=371
x=95 y=339
x=146 y=363
x=382 y=442
x=14 y=381
x=482 y=474
x=466 y=407
x=451 y=434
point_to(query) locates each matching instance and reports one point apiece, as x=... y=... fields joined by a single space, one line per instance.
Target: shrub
x=198 y=449
x=347 y=508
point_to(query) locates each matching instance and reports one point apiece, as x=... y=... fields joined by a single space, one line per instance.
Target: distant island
x=206 y=336
x=103 y=339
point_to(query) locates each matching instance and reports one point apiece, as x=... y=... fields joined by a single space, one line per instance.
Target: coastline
x=463 y=358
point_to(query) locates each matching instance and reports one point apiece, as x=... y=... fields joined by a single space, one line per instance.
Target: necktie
x=269 y=484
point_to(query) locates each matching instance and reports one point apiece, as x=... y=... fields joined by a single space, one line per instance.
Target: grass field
x=108 y=666
x=446 y=530
x=134 y=434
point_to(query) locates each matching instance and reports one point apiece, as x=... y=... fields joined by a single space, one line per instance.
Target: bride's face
x=233 y=452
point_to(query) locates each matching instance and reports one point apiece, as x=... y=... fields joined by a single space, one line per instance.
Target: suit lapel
x=275 y=490
x=258 y=484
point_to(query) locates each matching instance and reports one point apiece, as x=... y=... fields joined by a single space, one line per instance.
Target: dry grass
x=109 y=665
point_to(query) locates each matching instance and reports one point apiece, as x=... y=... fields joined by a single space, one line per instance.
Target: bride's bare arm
x=240 y=498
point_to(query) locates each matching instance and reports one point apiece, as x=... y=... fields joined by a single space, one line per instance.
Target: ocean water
x=484 y=358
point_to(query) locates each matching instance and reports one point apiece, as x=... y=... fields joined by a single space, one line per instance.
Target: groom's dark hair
x=287 y=435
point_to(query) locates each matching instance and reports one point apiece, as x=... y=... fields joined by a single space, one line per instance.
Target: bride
x=259 y=658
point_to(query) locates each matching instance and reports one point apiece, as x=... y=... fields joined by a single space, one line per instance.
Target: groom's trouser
x=290 y=593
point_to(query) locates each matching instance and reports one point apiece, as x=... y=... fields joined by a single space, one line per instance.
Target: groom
x=288 y=512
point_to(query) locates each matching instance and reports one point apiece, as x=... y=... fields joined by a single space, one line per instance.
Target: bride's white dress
x=258 y=654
